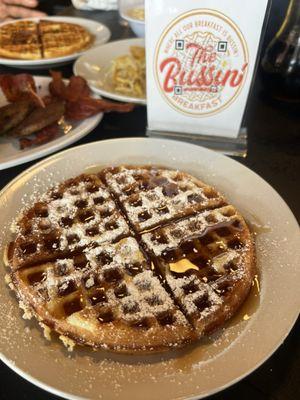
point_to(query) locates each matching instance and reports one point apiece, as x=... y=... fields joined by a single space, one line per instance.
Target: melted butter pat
x=182 y=266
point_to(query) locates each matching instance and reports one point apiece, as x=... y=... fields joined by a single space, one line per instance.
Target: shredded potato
x=128 y=73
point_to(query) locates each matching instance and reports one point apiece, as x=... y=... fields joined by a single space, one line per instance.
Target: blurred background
x=278 y=10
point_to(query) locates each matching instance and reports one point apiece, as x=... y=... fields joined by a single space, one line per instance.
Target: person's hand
x=18 y=9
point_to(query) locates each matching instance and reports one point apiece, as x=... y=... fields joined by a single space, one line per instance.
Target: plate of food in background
x=120 y=72
x=41 y=43
x=40 y=115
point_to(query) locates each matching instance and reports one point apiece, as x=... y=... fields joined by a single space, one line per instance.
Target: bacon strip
x=86 y=107
x=43 y=136
x=79 y=104
x=35 y=98
x=76 y=97
x=57 y=86
x=76 y=88
x=48 y=99
x=20 y=87
x=14 y=86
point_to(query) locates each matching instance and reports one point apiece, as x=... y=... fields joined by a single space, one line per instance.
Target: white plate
x=10 y=153
x=94 y=64
x=200 y=370
x=100 y=32
x=137 y=25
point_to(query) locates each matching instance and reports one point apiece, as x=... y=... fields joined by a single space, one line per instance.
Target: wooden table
x=273 y=153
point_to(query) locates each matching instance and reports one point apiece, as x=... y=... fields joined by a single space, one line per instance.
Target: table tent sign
x=201 y=59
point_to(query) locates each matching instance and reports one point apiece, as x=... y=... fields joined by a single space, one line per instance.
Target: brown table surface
x=273 y=153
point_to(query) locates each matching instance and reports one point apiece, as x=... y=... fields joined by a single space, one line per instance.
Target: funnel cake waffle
x=88 y=265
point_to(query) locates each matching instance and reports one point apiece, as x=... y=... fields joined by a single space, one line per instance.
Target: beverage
x=281 y=63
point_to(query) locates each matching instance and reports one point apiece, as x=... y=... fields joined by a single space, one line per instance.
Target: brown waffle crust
x=60 y=38
x=133 y=259
x=20 y=40
x=29 y=40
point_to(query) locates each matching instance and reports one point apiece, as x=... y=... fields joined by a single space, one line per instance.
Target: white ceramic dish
x=197 y=371
x=100 y=32
x=10 y=153
x=137 y=26
x=95 y=63
x=126 y=8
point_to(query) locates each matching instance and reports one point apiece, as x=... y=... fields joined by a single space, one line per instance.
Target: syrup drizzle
x=213 y=344
x=190 y=259
x=256 y=226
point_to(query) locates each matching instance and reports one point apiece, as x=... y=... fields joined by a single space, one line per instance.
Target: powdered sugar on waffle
x=188 y=300
x=102 y=216
x=157 y=195
x=126 y=251
x=145 y=297
x=66 y=208
x=187 y=228
x=114 y=276
x=150 y=302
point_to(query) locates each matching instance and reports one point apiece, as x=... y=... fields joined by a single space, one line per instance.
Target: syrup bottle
x=281 y=62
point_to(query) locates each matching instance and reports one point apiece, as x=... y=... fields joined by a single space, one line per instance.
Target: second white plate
x=95 y=63
x=196 y=371
x=100 y=32
x=10 y=153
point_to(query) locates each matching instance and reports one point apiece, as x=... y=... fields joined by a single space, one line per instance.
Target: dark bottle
x=54 y=6
x=281 y=62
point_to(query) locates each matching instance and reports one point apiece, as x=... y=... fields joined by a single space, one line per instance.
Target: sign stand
x=201 y=65
x=230 y=146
